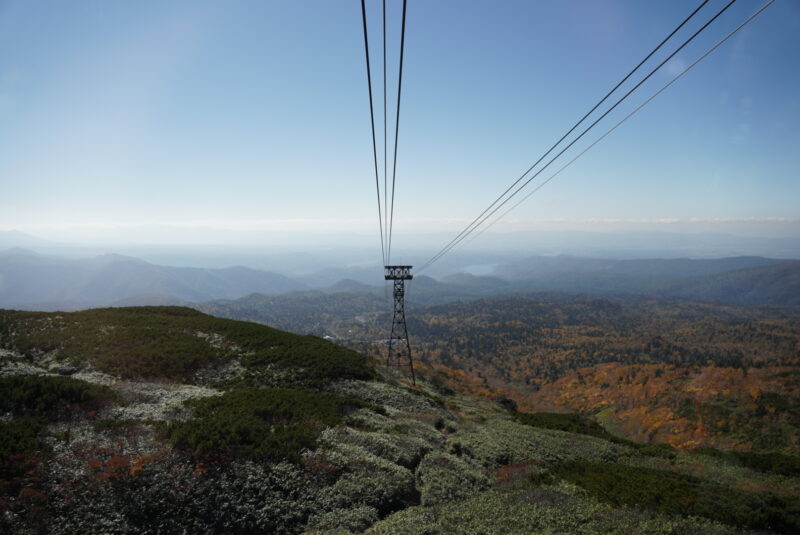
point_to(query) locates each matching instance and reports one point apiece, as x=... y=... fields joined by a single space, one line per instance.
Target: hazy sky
x=254 y=115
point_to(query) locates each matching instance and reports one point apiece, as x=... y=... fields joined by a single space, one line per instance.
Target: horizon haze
x=248 y=123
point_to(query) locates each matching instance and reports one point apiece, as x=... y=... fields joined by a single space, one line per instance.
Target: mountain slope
x=766 y=285
x=584 y=354
x=14 y=238
x=165 y=420
x=29 y=280
x=654 y=267
x=744 y=280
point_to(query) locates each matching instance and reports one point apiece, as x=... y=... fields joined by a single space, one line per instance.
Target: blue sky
x=254 y=115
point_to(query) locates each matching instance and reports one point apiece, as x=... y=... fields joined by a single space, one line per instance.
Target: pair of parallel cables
x=504 y=198
x=385 y=213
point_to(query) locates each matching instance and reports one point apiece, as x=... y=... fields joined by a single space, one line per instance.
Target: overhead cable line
x=396 y=129
x=372 y=120
x=482 y=218
x=385 y=197
x=631 y=114
x=385 y=152
x=599 y=103
x=478 y=221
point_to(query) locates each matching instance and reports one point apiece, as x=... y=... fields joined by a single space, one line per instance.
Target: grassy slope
x=300 y=442
x=169 y=342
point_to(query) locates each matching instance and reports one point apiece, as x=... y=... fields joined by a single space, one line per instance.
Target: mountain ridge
x=29 y=278
x=32 y=281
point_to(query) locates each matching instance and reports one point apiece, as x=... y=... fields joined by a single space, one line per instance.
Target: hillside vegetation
x=172 y=343
x=165 y=420
x=687 y=374
x=665 y=371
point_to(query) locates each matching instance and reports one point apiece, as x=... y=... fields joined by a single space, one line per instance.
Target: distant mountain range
x=765 y=285
x=738 y=280
x=32 y=281
x=742 y=280
x=40 y=282
x=532 y=267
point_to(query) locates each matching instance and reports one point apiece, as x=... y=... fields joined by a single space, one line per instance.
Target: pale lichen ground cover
x=411 y=465
x=556 y=510
x=156 y=401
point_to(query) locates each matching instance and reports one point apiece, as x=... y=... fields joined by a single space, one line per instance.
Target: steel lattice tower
x=399 y=346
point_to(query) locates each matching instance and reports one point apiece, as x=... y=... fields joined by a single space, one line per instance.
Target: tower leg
x=399 y=352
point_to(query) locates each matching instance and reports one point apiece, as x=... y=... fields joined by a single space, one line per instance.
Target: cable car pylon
x=399 y=353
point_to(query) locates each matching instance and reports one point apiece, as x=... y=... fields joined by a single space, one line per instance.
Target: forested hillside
x=684 y=373
x=769 y=285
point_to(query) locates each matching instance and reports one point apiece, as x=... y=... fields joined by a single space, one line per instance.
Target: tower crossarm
x=398 y=273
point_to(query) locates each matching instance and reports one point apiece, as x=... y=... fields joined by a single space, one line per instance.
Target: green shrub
x=172 y=343
x=318 y=360
x=17 y=438
x=776 y=463
x=273 y=424
x=50 y=397
x=572 y=423
x=501 y=442
x=675 y=493
x=664 y=451
x=438 y=383
x=346 y=520
x=362 y=478
x=442 y=477
x=545 y=510
x=34 y=400
x=575 y=423
x=401 y=449
x=389 y=396
x=130 y=342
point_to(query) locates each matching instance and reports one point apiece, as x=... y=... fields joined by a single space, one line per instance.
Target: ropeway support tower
x=399 y=354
